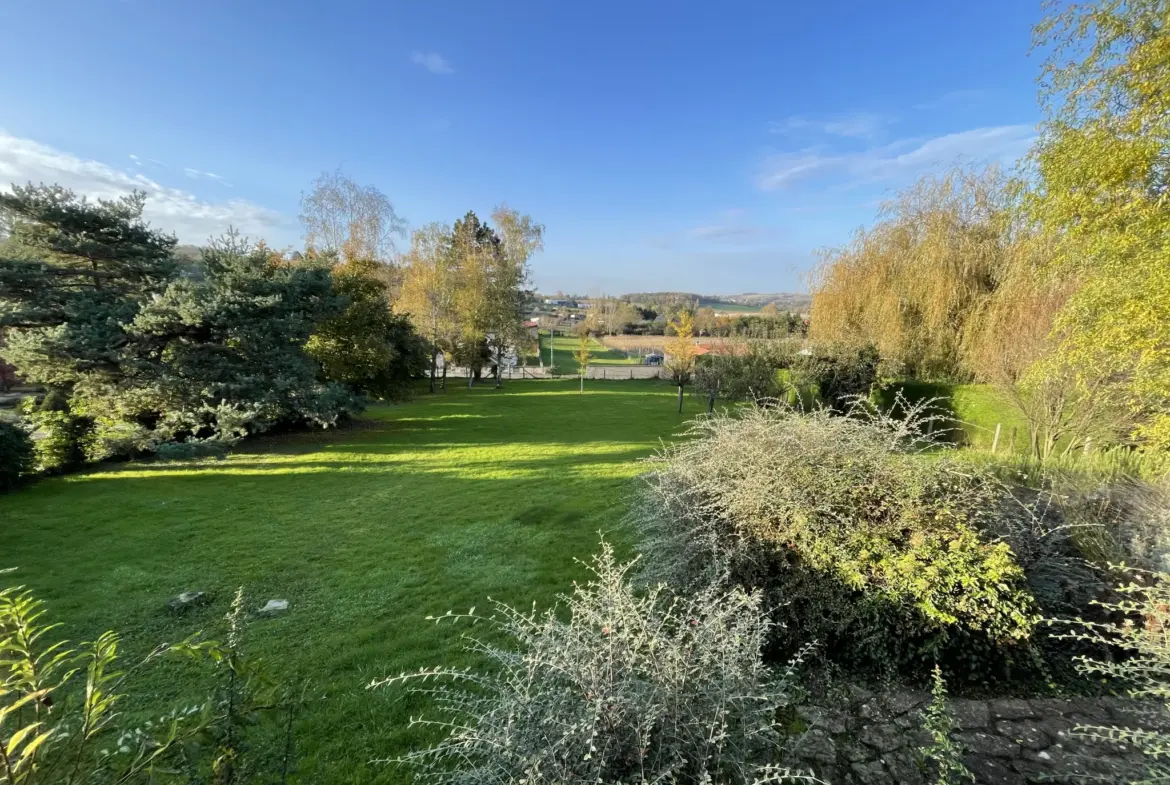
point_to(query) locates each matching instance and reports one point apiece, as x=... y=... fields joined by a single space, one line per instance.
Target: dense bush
x=890 y=559
x=16 y=456
x=839 y=373
x=625 y=687
x=751 y=372
x=59 y=434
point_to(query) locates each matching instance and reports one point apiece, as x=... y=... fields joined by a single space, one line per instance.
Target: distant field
x=560 y=351
x=645 y=344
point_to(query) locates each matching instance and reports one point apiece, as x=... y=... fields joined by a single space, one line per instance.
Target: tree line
x=140 y=350
x=1052 y=283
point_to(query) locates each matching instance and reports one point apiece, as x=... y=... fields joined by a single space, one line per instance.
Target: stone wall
x=875 y=739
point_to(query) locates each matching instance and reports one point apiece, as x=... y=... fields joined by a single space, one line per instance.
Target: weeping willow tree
x=911 y=283
x=1013 y=341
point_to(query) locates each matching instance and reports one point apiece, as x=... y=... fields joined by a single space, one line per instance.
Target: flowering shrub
x=624 y=687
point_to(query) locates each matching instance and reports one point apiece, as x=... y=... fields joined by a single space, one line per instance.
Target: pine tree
x=73 y=273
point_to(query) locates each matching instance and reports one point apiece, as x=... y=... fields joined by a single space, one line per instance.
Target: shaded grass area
x=559 y=352
x=975 y=408
x=433 y=505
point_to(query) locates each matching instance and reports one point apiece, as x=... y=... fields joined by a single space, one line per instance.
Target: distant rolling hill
x=785 y=301
x=749 y=302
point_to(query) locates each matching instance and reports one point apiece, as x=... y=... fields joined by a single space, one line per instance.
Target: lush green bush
x=59 y=434
x=751 y=372
x=839 y=373
x=16 y=456
x=623 y=687
x=891 y=560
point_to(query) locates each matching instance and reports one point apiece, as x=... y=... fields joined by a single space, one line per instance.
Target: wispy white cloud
x=433 y=62
x=897 y=161
x=857 y=125
x=191 y=218
x=196 y=174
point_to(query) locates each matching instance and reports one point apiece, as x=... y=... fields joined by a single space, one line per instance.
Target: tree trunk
x=680 y=398
x=582 y=381
x=433 y=370
x=443 y=383
x=710 y=404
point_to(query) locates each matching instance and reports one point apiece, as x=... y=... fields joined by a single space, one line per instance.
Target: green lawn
x=560 y=350
x=432 y=505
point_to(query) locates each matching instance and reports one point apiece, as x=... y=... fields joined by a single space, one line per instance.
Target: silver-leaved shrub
x=617 y=686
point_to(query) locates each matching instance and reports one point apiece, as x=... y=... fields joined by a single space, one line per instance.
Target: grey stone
x=971 y=714
x=187 y=600
x=1023 y=732
x=1011 y=709
x=989 y=771
x=988 y=744
x=883 y=738
x=827 y=774
x=273 y=607
x=816 y=745
x=856 y=753
x=904 y=768
x=907 y=721
x=832 y=720
x=1112 y=768
x=859 y=694
x=1088 y=709
x=1056 y=728
x=1046 y=707
x=904 y=701
x=1035 y=771
x=872 y=773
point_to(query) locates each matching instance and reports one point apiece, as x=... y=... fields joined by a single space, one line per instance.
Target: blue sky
x=708 y=147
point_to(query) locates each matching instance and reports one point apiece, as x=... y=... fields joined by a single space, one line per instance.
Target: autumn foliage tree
x=366 y=346
x=338 y=213
x=582 y=354
x=1102 y=192
x=912 y=283
x=463 y=287
x=429 y=288
x=681 y=352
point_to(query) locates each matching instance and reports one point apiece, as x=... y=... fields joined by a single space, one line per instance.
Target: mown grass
x=432 y=505
x=559 y=352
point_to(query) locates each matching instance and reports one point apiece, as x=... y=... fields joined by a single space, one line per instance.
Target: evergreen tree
x=224 y=356
x=73 y=274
